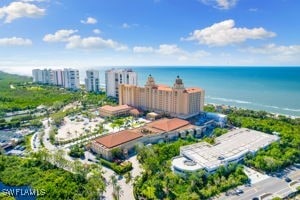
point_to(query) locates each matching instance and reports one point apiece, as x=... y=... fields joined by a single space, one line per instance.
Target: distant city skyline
x=90 y=34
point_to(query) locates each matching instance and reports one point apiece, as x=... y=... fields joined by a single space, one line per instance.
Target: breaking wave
x=253 y=104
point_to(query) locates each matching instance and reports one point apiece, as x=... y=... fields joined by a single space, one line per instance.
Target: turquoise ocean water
x=274 y=89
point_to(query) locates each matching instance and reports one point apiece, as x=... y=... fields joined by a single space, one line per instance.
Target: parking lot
x=267 y=187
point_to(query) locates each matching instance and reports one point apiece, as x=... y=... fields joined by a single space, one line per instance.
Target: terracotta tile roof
x=169 y=124
x=135 y=112
x=116 y=139
x=115 y=108
x=164 y=88
x=192 y=90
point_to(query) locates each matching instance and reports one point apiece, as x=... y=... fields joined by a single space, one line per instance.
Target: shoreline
x=236 y=107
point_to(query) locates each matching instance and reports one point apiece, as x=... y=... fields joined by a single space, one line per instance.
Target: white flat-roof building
x=92 y=81
x=114 y=77
x=44 y=76
x=228 y=148
x=71 y=79
x=58 y=77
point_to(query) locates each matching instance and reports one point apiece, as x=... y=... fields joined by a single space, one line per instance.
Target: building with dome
x=176 y=101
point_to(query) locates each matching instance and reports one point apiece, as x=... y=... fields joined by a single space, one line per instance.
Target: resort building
x=125 y=140
x=176 y=101
x=92 y=81
x=162 y=130
x=113 y=111
x=71 y=79
x=114 y=77
x=228 y=148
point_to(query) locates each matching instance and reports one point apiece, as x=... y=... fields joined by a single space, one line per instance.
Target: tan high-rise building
x=177 y=100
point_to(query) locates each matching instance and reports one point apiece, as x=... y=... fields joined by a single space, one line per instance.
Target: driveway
x=127 y=188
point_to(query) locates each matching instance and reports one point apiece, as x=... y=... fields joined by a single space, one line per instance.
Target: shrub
x=119 y=169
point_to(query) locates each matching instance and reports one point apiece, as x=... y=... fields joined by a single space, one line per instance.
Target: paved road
x=127 y=188
x=273 y=185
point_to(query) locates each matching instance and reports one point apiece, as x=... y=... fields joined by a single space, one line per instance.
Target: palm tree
x=113 y=126
x=113 y=180
x=118 y=192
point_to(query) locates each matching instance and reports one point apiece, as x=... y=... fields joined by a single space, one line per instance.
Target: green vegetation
x=27 y=142
x=4 y=196
x=117 y=153
x=28 y=121
x=57 y=183
x=58 y=117
x=96 y=99
x=117 y=190
x=219 y=131
x=279 y=154
x=77 y=151
x=159 y=182
x=17 y=93
x=119 y=169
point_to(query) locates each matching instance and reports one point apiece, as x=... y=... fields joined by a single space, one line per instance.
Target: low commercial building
x=113 y=111
x=165 y=129
x=228 y=148
x=125 y=140
x=154 y=132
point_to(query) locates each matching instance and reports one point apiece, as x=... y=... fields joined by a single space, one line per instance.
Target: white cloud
x=220 y=4
x=76 y=41
x=278 y=53
x=143 y=49
x=291 y=50
x=171 y=50
x=15 y=41
x=35 y=0
x=163 y=49
x=59 y=36
x=253 y=9
x=93 y=43
x=97 y=31
x=17 y=10
x=225 y=33
x=125 y=25
x=89 y=20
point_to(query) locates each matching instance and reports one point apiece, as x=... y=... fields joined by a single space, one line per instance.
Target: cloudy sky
x=91 y=33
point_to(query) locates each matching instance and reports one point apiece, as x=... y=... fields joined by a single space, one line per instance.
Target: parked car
x=287 y=179
x=239 y=191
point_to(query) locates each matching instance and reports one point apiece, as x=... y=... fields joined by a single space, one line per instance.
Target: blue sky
x=92 y=33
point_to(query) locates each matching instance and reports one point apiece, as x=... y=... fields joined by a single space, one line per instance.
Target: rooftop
x=116 y=139
x=115 y=108
x=169 y=124
x=192 y=90
x=229 y=147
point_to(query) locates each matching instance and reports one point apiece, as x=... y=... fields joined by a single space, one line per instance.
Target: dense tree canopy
x=57 y=183
x=159 y=182
x=279 y=154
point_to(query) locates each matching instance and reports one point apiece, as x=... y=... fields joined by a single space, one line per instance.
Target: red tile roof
x=192 y=90
x=169 y=124
x=118 y=138
x=115 y=108
x=135 y=112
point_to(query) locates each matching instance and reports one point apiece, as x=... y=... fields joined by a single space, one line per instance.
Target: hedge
x=119 y=169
